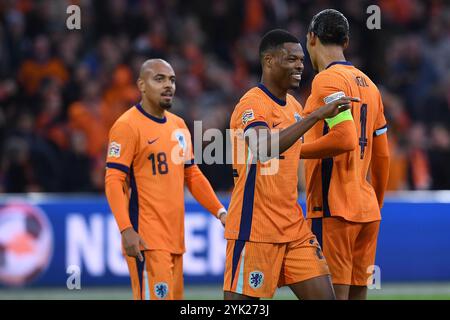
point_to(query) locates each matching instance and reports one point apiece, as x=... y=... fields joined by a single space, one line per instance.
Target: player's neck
x=274 y=89
x=329 y=55
x=152 y=109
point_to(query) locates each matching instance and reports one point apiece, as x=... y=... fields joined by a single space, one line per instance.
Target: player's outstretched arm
x=260 y=141
x=380 y=166
x=341 y=138
x=202 y=191
x=116 y=191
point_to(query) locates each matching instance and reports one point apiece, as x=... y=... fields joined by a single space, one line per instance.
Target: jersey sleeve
x=327 y=88
x=122 y=147
x=250 y=113
x=380 y=122
x=202 y=190
x=121 y=150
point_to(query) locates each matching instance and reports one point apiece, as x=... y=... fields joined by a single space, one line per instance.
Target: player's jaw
x=295 y=78
x=166 y=99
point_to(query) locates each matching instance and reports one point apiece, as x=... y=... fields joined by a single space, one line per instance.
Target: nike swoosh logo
x=151 y=141
x=276 y=124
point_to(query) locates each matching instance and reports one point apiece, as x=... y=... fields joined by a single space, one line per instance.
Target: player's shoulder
x=128 y=117
x=127 y=122
x=250 y=103
x=175 y=118
x=361 y=73
x=254 y=94
x=291 y=100
x=253 y=98
x=329 y=75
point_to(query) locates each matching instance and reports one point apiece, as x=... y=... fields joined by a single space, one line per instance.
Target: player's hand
x=222 y=216
x=333 y=108
x=132 y=242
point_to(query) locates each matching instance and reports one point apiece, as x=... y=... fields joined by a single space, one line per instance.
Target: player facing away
x=150 y=154
x=268 y=242
x=343 y=207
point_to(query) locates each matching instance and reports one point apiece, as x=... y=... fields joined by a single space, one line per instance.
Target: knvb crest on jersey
x=161 y=290
x=256 y=279
x=181 y=141
x=114 y=150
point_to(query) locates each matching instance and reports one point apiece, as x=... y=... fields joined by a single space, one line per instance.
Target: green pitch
x=410 y=291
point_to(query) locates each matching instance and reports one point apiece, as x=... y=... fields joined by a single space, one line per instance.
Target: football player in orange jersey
x=150 y=154
x=343 y=208
x=268 y=242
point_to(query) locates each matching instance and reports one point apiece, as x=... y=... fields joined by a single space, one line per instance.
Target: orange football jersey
x=263 y=205
x=153 y=152
x=338 y=186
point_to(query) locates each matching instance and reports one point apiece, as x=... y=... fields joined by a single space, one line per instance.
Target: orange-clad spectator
x=420 y=170
x=24 y=6
x=418 y=158
x=254 y=16
x=399 y=125
x=196 y=60
x=42 y=66
x=89 y=117
x=119 y=96
x=398 y=168
x=401 y=11
x=49 y=123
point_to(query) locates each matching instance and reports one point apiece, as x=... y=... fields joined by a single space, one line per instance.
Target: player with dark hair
x=343 y=207
x=150 y=160
x=268 y=242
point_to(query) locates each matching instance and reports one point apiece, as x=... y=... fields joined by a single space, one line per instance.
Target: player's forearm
x=340 y=139
x=380 y=167
x=201 y=190
x=286 y=138
x=115 y=191
x=292 y=134
x=380 y=178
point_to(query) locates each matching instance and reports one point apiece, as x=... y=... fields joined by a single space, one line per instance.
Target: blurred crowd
x=61 y=90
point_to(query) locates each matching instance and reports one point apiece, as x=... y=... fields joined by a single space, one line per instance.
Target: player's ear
x=347 y=40
x=267 y=60
x=140 y=84
x=312 y=38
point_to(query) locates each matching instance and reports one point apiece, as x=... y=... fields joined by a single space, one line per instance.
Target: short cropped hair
x=274 y=39
x=331 y=26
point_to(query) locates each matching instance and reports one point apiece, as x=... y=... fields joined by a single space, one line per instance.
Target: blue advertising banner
x=45 y=239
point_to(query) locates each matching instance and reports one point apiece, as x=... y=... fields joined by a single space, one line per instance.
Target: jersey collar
x=345 y=63
x=271 y=96
x=148 y=115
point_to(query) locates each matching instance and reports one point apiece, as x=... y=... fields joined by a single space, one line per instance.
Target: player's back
x=339 y=185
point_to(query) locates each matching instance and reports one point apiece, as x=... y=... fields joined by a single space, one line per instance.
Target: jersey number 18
x=159 y=161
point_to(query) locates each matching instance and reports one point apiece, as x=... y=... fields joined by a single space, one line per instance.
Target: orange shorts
x=349 y=248
x=158 y=277
x=256 y=269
